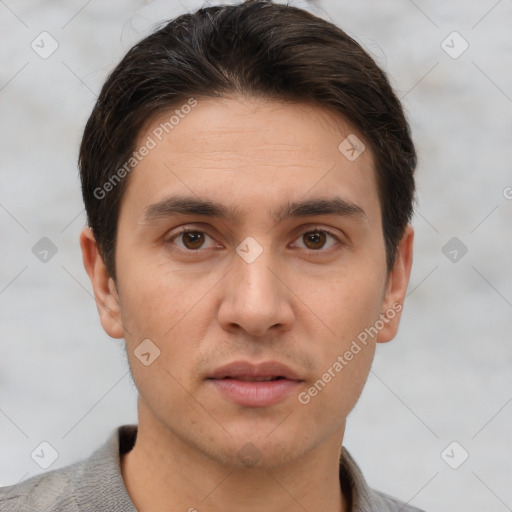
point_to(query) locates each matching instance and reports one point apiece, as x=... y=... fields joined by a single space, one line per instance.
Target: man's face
x=298 y=291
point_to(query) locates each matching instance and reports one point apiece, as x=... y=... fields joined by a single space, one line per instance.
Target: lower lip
x=255 y=394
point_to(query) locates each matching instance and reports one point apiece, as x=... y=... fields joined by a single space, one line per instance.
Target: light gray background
x=447 y=375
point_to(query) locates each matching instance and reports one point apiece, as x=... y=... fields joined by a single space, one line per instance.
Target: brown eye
x=193 y=239
x=190 y=240
x=315 y=239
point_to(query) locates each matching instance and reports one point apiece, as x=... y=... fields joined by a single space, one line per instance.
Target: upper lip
x=260 y=370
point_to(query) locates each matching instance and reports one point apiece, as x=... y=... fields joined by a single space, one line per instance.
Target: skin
x=300 y=302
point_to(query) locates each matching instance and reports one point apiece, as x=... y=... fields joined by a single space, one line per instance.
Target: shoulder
x=364 y=498
x=93 y=484
x=52 y=491
x=387 y=503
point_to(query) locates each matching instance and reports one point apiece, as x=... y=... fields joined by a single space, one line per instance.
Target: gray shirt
x=96 y=484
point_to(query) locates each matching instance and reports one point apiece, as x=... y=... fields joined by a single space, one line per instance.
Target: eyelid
x=328 y=231
x=186 y=229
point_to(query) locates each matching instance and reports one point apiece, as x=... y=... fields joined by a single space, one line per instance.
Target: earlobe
x=397 y=287
x=105 y=292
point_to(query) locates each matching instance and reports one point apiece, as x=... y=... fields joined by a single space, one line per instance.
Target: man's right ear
x=105 y=292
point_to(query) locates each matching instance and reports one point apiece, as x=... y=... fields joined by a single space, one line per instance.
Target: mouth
x=247 y=371
x=246 y=378
x=255 y=385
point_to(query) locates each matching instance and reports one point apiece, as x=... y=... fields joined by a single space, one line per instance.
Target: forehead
x=242 y=126
x=249 y=152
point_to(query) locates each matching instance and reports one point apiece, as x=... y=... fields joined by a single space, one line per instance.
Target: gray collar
x=102 y=473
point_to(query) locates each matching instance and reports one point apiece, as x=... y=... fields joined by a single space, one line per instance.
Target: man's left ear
x=396 y=288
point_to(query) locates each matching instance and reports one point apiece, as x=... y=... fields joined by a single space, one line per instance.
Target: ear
x=105 y=292
x=396 y=288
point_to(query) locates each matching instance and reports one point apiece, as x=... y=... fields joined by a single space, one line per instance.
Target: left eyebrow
x=189 y=205
x=312 y=207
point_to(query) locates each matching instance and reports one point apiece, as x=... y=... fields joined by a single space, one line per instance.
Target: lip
x=247 y=369
x=227 y=381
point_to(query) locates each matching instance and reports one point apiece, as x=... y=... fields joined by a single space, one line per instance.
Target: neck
x=162 y=472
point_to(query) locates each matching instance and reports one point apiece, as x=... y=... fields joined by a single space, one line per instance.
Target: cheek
x=155 y=297
x=163 y=305
x=340 y=393
x=339 y=381
x=345 y=308
x=345 y=305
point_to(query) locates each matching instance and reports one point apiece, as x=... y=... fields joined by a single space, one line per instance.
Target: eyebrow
x=189 y=205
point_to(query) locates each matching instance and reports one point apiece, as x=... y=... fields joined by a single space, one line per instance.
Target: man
x=247 y=173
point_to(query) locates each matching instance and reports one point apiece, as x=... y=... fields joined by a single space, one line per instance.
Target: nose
x=256 y=297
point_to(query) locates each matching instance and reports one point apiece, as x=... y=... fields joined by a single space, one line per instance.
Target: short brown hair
x=258 y=49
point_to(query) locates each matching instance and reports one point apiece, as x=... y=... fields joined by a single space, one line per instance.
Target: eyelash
x=314 y=229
